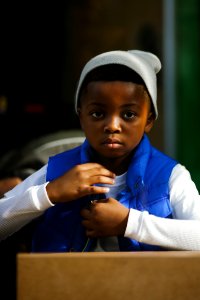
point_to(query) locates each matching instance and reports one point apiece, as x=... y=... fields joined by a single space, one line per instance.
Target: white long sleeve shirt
x=29 y=200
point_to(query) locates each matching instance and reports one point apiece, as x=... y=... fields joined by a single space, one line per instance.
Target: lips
x=112 y=143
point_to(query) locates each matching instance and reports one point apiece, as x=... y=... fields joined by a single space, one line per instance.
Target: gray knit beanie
x=145 y=64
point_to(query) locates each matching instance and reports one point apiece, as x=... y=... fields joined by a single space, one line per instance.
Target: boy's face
x=114 y=116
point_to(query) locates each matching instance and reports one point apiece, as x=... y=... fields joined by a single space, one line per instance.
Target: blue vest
x=59 y=229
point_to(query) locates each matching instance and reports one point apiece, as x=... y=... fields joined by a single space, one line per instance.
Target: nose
x=112 y=125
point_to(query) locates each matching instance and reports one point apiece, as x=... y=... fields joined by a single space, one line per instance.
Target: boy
x=115 y=192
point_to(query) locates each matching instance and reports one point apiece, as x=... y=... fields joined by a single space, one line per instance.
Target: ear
x=149 y=123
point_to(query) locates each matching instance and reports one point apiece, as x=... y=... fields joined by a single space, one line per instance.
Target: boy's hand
x=105 y=218
x=79 y=182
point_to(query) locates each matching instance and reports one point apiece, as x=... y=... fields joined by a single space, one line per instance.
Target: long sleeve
x=25 y=202
x=180 y=233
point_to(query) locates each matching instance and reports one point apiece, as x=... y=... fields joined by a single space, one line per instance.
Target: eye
x=128 y=115
x=97 y=114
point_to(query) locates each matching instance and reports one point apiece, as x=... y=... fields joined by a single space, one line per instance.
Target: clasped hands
x=106 y=217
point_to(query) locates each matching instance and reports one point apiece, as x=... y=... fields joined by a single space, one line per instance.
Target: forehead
x=113 y=94
x=109 y=88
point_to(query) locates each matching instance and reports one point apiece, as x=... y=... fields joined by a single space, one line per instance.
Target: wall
x=188 y=81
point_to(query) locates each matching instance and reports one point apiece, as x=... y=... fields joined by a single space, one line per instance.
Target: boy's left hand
x=106 y=217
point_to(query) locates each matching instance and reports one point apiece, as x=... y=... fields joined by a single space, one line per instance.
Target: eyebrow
x=104 y=104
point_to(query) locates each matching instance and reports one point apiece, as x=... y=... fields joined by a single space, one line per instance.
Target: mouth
x=112 y=143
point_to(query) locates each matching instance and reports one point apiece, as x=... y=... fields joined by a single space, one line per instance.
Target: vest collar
x=137 y=168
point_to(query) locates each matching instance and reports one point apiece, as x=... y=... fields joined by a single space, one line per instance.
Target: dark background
x=43 y=47
x=32 y=67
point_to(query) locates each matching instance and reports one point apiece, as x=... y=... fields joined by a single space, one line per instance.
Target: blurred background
x=43 y=47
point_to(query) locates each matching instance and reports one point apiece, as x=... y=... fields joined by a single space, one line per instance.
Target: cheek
x=87 y=126
x=135 y=132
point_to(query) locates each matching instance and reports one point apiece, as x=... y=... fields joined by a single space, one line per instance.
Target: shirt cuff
x=40 y=197
x=133 y=224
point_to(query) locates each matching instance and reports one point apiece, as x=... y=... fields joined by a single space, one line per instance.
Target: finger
x=100 y=179
x=98 y=169
x=100 y=201
x=97 y=190
x=87 y=225
x=85 y=213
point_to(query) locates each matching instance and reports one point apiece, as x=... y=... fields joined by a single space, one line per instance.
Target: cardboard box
x=109 y=276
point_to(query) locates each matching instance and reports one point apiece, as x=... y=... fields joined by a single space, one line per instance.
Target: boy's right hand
x=78 y=182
